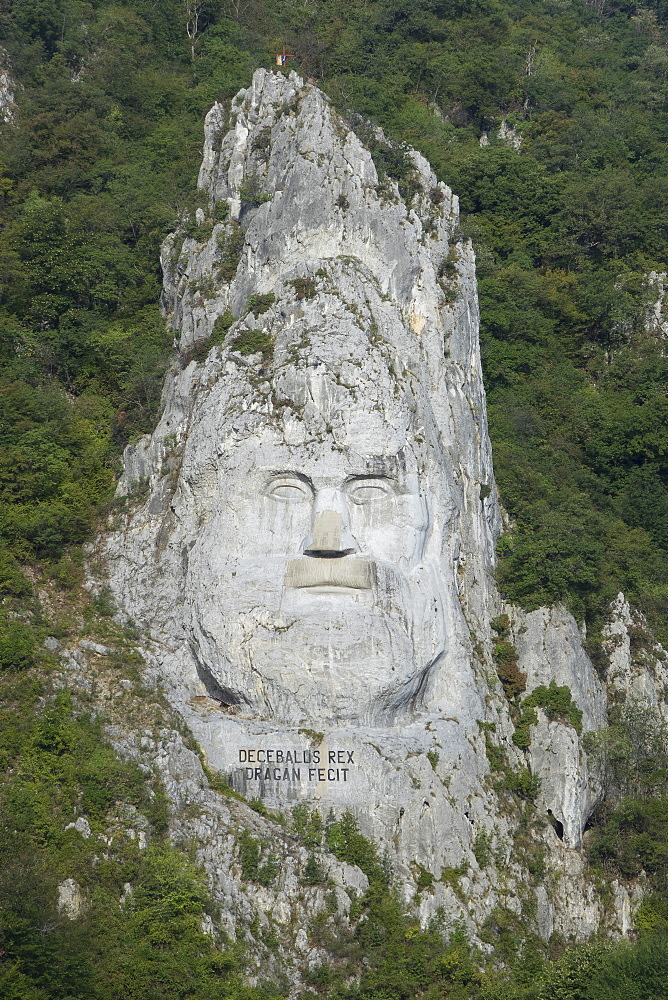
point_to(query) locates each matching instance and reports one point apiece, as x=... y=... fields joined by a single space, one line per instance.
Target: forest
x=565 y=200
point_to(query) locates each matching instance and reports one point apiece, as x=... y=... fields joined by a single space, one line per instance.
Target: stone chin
x=327 y=654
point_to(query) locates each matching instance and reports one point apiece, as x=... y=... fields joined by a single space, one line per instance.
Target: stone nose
x=330 y=534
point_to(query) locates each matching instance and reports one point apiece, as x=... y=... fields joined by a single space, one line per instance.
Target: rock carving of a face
x=312 y=588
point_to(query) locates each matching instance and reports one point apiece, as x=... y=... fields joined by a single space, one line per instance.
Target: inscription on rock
x=276 y=764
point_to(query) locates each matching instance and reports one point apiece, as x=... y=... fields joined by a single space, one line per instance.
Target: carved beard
x=293 y=656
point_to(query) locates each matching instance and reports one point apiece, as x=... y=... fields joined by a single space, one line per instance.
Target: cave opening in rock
x=556 y=824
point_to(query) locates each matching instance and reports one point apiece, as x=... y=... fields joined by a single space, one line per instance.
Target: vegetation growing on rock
x=558 y=705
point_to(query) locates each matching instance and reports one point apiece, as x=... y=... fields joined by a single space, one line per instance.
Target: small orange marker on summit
x=282 y=57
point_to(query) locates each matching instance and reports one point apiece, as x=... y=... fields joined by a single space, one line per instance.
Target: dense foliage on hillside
x=96 y=166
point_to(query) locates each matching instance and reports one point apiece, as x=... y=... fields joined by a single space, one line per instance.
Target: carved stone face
x=312 y=587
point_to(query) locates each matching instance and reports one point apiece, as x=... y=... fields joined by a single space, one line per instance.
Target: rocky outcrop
x=70 y=899
x=506 y=134
x=7 y=89
x=310 y=531
x=638 y=664
x=655 y=321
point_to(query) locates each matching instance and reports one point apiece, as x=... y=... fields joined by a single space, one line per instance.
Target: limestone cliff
x=7 y=89
x=310 y=531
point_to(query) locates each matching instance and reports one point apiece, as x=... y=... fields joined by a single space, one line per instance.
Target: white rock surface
x=82 y=826
x=656 y=321
x=357 y=462
x=638 y=664
x=70 y=899
x=312 y=546
x=509 y=135
x=95 y=647
x=7 y=89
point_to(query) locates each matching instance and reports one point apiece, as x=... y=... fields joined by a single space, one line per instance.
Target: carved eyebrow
x=287 y=474
x=354 y=476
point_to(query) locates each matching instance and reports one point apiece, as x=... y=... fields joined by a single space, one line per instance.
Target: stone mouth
x=329 y=575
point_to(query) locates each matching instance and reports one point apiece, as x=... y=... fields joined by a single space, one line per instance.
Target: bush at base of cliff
x=600 y=972
x=630 y=756
x=630 y=838
x=344 y=840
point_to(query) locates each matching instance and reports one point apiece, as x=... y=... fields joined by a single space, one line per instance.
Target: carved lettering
x=277 y=755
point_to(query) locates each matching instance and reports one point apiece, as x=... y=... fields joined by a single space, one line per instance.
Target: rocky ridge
x=317 y=282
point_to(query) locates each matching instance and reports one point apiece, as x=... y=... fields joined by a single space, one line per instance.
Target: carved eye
x=369 y=490
x=288 y=490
